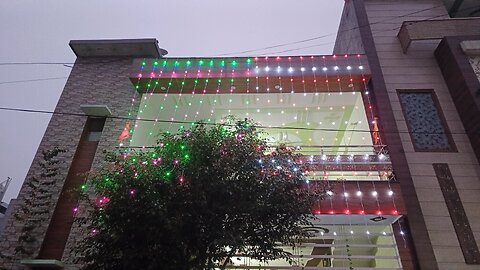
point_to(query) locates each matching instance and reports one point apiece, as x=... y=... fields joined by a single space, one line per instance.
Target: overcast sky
x=39 y=31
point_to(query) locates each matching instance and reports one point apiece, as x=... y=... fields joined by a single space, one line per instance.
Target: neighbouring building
x=391 y=118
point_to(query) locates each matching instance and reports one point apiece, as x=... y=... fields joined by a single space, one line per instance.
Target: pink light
x=139 y=75
x=332 y=212
x=347 y=212
x=278 y=58
x=358 y=55
x=362 y=212
x=395 y=212
x=334 y=56
x=256 y=58
x=132 y=192
x=312 y=57
x=379 y=212
x=266 y=57
x=175 y=162
x=323 y=57
x=346 y=55
x=289 y=58
x=75 y=210
x=301 y=57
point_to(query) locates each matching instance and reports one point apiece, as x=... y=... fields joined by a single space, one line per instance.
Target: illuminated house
x=391 y=119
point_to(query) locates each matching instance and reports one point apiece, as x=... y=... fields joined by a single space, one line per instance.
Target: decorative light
x=314 y=68
x=329 y=193
x=302 y=69
x=267 y=68
x=345 y=194
x=359 y=193
x=360 y=67
x=374 y=193
x=336 y=68
x=390 y=193
x=290 y=69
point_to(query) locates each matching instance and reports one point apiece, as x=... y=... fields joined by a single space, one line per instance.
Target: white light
x=359 y=193
x=260 y=161
x=307 y=181
x=302 y=69
x=321 y=233
x=374 y=193
x=366 y=93
x=336 y=68
x=314 y=68
x=279 y=69
x=384 y=233
x=329 y=193
x=267 y=68
x=334 y=233
x=324 y=68
x=381 y=156
x=360 y=67
x=402 y=233
x=345 y=194
x=351 y=232
x=390 y=193
x=290 y=69
x=349 y=67
x=273 y=160
x=368 y=232
x=324 y=157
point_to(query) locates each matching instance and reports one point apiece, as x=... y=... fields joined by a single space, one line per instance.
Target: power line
x=346 y=30
x=268 y=47
x=34 y=80
x=213 y=124
x=330 y=34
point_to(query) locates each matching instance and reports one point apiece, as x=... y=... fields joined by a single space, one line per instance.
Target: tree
x=195 y=200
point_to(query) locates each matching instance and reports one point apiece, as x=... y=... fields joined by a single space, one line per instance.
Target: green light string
x=176 y=106
x=134 y=96
x=148 y=95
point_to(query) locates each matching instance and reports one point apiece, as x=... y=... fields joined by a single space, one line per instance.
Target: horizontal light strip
x=308 y=268
x=369 y=257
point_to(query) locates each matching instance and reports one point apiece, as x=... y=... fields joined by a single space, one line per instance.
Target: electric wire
x=220 y=124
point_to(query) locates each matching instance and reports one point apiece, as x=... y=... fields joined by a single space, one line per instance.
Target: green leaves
x=194 y=200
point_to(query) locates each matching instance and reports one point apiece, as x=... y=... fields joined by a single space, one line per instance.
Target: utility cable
x=219 y=124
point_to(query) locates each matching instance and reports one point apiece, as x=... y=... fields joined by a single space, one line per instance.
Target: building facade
x=390 y=120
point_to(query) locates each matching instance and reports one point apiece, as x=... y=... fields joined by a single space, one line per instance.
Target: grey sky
x=39 y=31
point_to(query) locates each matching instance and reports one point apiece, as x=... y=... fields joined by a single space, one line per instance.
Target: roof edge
x=143 y=47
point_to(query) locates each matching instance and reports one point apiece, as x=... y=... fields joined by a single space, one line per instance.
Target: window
x=95 y=128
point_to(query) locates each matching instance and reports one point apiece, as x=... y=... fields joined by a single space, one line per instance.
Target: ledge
x=96 y=110
x=436 y=29
x=43 y=263
x=147 y=47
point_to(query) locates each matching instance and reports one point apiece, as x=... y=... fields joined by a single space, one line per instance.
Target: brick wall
x=99 y=81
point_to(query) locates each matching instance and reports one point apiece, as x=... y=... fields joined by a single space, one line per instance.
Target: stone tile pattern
x=475 y=62
x=457 y=213
x=423 y=119
x=95 y=81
